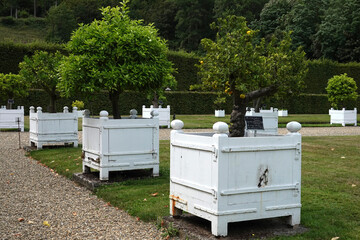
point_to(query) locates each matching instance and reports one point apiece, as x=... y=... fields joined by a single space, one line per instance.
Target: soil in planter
x=193 y=227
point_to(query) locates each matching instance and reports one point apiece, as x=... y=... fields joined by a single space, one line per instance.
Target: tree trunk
x=35 y=8
x=257 y=104
x=52 y=106
x=237 y=118
x=114 y=98
x=155 y=100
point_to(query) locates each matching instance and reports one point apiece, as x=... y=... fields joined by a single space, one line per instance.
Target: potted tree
x=341 y=91
x=80 y=107
x=226 y=177
x=219 y=105
x=117 y=54
x=11 y=86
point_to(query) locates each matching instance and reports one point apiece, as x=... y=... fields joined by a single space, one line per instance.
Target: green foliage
x=338 y=33
x=8 y=21
x=11 y=54
x=115 y=54
x=40 y=70
x=193 y=19
x=12 y=85
x=341 y=91
x=60 y=23
x=78 y=104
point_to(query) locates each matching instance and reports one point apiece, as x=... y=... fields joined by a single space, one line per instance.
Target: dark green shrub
x=23 y=14
x=8 y=21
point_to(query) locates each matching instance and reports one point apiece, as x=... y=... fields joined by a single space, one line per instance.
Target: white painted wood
x=343 y=116
x=81 y=113
x=225 y=179
x=164 y=114
x=270 y=120
x=120 y=144
x=9 y=117
x=53 y=128
x=282 y=113
x=219 y=113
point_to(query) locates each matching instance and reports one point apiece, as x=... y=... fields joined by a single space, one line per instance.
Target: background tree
x=193 y=22
x=40 y=70
x=338 y=36
x=61 y=23
x=13 y=85
x=250 y=9
x=341 y=91
x=115 y=54
x=247 y=71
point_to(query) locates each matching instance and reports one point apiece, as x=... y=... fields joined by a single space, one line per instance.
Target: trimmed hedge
x=11 y=54
x=320 y=71
x=180 y=102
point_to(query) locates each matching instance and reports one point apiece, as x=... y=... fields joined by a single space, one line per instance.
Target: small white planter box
x=282 y=113
x=343 y=116
x=164 y=114
x=9 y=117
x=224 y=179
x=120 y=144
x=270 y=120
x=219 y=113
x=53 y=128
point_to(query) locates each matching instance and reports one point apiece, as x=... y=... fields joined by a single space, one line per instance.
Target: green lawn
x=20 y=32
x=330 y=186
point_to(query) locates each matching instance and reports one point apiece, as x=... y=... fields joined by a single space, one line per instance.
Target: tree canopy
x=40 y=70
x=341 y=91
x=13 y=85
x=246 y=70
x=116 y=54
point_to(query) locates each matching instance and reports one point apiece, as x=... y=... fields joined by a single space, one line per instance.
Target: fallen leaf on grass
x=21 y=219
x=137 y=219
x=67 y=170
x=74 y=214
x=154 y=194
x=335 y=238
x=332 y=149
x=46 y=223
x=353 y=185
x=145 y=199
x=343 y=157
x=166 y=206
x=30 y=222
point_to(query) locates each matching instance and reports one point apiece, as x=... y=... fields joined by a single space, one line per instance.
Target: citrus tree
x=13 y=85
x=247 y=69
x=341 y=91
x=40 y=70
x=115 y=54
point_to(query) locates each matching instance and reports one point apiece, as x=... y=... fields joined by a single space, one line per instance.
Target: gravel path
x=32 y=194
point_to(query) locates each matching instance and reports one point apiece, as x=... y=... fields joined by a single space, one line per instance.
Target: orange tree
x=247 y=68
x=115 y=54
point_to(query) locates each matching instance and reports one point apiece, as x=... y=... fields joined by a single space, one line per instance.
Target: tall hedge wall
x=180 y=102
x=11 y=54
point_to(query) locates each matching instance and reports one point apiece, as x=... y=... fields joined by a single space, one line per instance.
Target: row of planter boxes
x=281 y=113
x=12 y=118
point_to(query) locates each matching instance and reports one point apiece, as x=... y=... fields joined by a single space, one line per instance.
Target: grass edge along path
x=330 y=186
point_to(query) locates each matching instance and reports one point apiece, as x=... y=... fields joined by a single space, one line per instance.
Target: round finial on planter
x=293 y=126
x=220 y=127
x=104 y=114
x=32 y=109
x=154 y=113
x=177 y=124
x=39 y=109
x=133 y=112
x=74 y=108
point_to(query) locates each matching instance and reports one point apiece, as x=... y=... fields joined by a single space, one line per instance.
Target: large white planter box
x=164 y=114
x=343 y=116
x=219 y=113
x=120 y=144
x=53 y=128
x=9 y=117
x=282 y=113
x=270 y=120
x=81 y=113
x=224 y=179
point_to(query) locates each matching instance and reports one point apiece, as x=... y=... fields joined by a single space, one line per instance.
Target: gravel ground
x=36 y=203
x=32 y=194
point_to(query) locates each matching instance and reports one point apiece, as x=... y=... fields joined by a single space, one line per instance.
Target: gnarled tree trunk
x=114 y=98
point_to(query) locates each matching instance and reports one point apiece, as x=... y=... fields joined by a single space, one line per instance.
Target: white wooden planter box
x=53 y=128
x=120 y=144
x=282 y=113
x=343 y=116
x=80 y=113
x=164 y=114
x=270 y=120
x=219 y=113
x=224 y=179
x=9 y=117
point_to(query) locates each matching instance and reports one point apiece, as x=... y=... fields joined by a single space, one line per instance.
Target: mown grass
x=21 y=34
x=330 y=186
